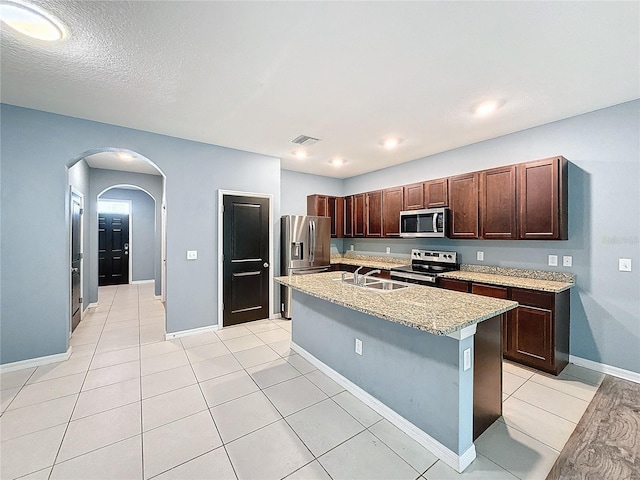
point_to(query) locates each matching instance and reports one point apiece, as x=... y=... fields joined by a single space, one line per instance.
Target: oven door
x=417 y=278
x=430 y=222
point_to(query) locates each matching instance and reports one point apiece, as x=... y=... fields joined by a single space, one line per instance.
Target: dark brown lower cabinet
x=536 y=333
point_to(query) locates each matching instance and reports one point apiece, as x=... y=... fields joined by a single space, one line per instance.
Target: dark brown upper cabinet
x=413 y=196
x=373 y=213
x=436 y=193
x=392 y=204
x=327 y=206
x=542 y=199
x=348 y=217
x=498 y=203
x=358 y=215
x=463 y=202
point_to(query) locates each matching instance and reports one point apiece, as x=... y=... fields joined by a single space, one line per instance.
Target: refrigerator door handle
x=312 y=240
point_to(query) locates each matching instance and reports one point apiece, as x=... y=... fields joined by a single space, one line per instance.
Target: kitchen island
x=412 y=364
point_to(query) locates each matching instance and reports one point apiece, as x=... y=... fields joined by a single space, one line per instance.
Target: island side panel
x=417 y=374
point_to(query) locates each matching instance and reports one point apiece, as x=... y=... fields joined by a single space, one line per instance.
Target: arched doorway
x=114 y=172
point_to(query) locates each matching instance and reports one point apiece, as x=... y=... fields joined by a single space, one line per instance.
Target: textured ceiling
x=254 y=75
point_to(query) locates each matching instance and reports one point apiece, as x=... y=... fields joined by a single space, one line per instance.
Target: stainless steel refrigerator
x=306 y=248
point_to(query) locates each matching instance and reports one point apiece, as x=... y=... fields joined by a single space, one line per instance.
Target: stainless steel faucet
x=356 y=276
x=366 y=275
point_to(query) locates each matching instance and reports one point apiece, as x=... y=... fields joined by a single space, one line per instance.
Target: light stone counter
x=433 y=310
x=370 y=261
x=554 y=282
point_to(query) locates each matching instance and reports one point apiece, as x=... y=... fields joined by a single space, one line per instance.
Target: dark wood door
x=498 y=203
x=463 y=201
x=542 y=199
x=358 y=215
x=348 y=216
x=336 y=210
x=392 y=204
x=373 y=213
x=529 y=336
x=246 y=259
x=413 y=196
x=76 y=259
x=436 y=193
x=452 y=284
x=113 y=249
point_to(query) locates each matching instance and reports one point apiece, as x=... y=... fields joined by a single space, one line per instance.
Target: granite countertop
x=370 y=261
x=554 y=282
x=434 y=310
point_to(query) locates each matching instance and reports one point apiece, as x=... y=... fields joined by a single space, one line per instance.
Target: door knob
x=75 y=270
x=265 y=264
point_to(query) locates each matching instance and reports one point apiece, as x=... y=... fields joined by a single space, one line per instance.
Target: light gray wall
x=604 y=221
x=143 y=249
x=35 y=149
x=296 y=186
x=101 y=180
x=79 y=180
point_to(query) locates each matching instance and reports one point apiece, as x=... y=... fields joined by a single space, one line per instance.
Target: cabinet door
x=463 y=201
x=348 y=217
x=336 y=210
x=498 y=203
x=391 y=208
x=452 y=284
x=318 y=205
x=413 y=196
x=529 y=336
x=358 y=215
x=373 y=214
x=542 y=199
x=436 y=193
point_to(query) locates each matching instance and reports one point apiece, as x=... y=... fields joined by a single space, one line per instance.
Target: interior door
x=246 y=259
x=76 y=257
x=113 y=249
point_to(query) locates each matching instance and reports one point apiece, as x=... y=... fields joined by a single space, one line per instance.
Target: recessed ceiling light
x=124 y=156
x=299 y=154
x=337 y=161
x=31 y=21
x=391 y=142
x=486 y=107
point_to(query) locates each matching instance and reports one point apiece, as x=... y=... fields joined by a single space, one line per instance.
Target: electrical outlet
x=466 y=359
x=351 y=247
x=624 y=264
x=567 y=261
x=358 y=346
x=553 y=260
x=388 y=250
x=480 y=256
x=192 y=254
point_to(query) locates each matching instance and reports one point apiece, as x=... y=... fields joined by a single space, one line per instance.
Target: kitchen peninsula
x=430 y=359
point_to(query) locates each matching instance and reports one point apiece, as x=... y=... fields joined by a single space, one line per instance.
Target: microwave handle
x=435 y=222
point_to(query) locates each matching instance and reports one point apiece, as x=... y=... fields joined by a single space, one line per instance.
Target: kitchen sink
x=376 y=283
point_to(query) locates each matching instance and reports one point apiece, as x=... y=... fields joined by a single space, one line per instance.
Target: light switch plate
x=567 y=261
x=192 y=254
x=388 y=250
x=553 y=260
x=624 y=264
x=351 y=247
x=480 y=256
x=358 y=346
x=467 y=359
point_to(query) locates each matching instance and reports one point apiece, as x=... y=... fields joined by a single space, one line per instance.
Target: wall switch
x=358 y=346
x=480 y=256
x=567 y=261
x=553 y=260
x=351 y=247
x=192 y=254
x=466 y=359
x=388 y=250
x=624 y=264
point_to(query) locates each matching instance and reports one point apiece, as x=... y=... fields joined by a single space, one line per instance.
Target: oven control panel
x=433 y=256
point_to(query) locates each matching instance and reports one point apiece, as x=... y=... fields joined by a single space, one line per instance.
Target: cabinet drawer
x=533 y=298
x=489 y=291
x=451 y=284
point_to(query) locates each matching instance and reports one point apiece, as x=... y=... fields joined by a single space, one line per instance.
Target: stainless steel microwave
x=430 y=222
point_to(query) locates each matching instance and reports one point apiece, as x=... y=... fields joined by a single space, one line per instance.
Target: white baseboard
x=36 y=362
x=275 y=316
x=138 y=282
x=193 y=331
x=157 y=297
x=604 y=368
x=455 y=461
x=92 y=305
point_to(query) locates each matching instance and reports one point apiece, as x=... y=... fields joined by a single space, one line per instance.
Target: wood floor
x=606 y=442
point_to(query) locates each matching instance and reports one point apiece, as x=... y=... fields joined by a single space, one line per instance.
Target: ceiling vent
x=305 y=140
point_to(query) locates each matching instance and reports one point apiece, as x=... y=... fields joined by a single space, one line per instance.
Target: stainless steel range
x=425 y=267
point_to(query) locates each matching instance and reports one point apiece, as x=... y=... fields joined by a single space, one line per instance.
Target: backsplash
x=520 y=272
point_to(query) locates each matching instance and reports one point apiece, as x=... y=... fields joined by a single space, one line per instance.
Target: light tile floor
x=238 y=403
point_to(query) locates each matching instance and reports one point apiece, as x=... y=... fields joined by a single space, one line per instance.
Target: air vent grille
x=305 y=140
